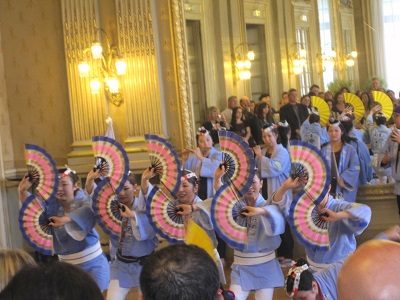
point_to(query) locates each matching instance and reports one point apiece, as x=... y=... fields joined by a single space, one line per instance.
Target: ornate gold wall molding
x=185 y=105
x=88 y=111
x=141 y=89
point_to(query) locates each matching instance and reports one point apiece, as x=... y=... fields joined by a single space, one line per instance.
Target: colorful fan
x=307 y=223
x=238 y=159
x=323 y=109
x=165 y=160
x=106 y=208
x=42 y=171
x=34 y=225
x=385 y=102
x=111 y=158
x=356 y=103
x=163 y=216
x=226 y=216
x=316 y=167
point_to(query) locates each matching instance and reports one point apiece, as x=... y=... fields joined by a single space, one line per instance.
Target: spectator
x=216 y=121
x=294 y=113
x=227 y=112
x=389 y=154
x=314 y=89
x=284 y=99
x=57 y=280
x=11 y=261
x=180 y=272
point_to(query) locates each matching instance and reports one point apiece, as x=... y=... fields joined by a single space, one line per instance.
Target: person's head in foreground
x=300 y=282
x=56 y=281
x=371 y=273
x=179 y=272
x=11 y=261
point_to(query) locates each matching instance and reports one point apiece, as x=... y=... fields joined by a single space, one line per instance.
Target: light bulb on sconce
x=242 y=60
x=298 y=61
x=330 y=60
x=103 y=66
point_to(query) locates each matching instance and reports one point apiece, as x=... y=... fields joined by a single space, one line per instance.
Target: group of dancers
x=265 y=206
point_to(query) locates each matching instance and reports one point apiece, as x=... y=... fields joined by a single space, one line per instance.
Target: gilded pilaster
x=141 y=89
x=88 y=111
x=182 y=72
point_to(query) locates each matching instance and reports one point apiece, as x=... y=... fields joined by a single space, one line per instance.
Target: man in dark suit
x=294 y=113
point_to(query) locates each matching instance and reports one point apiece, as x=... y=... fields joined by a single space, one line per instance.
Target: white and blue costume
x=348 y=169
x=201 y=218
x=275 y=170
x=327 y=278
x=255 y=266
x=314 y=134
x=205 y=168
x=136 y=242
x=78 y=242
x=341 y=234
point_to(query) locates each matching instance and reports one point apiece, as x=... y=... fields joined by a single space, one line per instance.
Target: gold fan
x=385 y=102
x=323 y=109
x=357 y=103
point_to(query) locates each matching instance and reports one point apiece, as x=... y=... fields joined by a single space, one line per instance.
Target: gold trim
x=178 y=22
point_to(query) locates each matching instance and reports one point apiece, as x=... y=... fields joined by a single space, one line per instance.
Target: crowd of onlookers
x=248 y=118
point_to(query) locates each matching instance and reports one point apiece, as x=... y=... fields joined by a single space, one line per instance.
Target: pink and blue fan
x=307 y=223
x=308 y=160
x=165 y=161
x=227 y=217
x=106 y=208
x=34 y=225
x=163 y=215
x=238 y=159
x=112 y=161
x=42 y=171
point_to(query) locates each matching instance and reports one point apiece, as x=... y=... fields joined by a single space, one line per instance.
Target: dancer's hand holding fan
x=42 y=178
x=111 y=160
x=113 y=164
x=165 y=162
x=305 y=216
x=238 y=169
x=42 y=171
x=162 y=209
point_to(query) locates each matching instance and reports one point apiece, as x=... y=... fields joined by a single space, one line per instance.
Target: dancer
x=135 y=243
x=187 y=204
x=255 y=266
x=346 y=220
x=70 y=213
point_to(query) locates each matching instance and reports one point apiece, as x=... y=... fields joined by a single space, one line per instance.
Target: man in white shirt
x=227 y=112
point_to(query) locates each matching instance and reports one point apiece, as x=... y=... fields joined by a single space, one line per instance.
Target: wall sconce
x=350 y=58
x=331 y=61
x=106 y=65
x=328 y=60
x=298 y=60
x=242 y=59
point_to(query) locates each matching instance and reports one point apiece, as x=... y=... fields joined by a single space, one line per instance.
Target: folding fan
x=238 y=159
x=316 y=168
x=42 y=171
x=307 y=222
x=163 y=216
x=323 y=109
x=227 y=217
x=356 y=103
x=385 y=102
x=165 y=161
x=112 y=160
x=106 y=208
x=34 y=225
